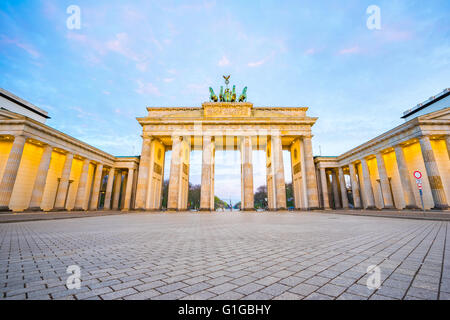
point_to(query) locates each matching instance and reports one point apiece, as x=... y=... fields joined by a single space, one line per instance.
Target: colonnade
x=383 y=178
x=150 y=182
x=37 y=176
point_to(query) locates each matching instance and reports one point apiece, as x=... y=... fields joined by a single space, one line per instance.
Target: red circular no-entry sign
x=417 y=174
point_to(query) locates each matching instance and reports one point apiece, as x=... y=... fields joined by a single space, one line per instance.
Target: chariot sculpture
x=227 y=95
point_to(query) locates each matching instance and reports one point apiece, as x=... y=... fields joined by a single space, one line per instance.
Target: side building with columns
x=379 y=173
x=43 y=169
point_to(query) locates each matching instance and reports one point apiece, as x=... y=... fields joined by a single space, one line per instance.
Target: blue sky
x=95 y=81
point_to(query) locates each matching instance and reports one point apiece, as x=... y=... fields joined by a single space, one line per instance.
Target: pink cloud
x=147 y=88
x=310 y=51
x=24 y=46
x=350 y=50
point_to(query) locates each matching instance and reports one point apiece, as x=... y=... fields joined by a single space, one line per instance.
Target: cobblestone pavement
x=226 y=256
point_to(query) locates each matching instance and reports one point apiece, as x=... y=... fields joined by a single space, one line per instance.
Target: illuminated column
x=96 y=187
x=207 y=187
x=175 y=174
x=368 y=191
x=109 y=186
x=41 y=178
x=434 y=177
x=247 y=201
x=80 y=201
x=10 y=172
x=280 y=184
x=334 y=184
x=61 y=196
x=126 y=203
x=323 y=182
x=311 y=182
x=447 y=141
x=116 y=191
x=343 y=188
x=143 y=175
x=408 y=194
x=384 y=181
x=355 y=187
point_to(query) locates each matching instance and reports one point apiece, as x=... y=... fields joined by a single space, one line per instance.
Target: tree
x=289 y=195
x=194 y=196
x=165 y=193
x=260 y=197
x=218 y=203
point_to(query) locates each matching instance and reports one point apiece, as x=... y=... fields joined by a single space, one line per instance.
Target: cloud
x=260 y=62
x=120 y=46
x=257 y=63
x=167 y=80
x=224 y=62
x=310 y=51
x=147 y=88
x=25 y=46
x=350 y=50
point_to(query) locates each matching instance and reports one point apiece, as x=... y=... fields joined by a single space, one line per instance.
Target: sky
x=126 y=56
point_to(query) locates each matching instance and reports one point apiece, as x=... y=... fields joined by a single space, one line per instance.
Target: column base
x=389 y=208
x=412 y=207
x=33 y=209
x=58 y=209
x=313 y=208
x=440 y=207
x=78 y=209
x=371 y=208
x=206 y=209
x=5 y=209
x=248 y=209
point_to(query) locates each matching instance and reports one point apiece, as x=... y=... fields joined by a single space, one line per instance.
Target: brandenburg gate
x=226 y=123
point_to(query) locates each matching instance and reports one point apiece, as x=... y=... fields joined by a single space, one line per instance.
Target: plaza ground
x=288 y=255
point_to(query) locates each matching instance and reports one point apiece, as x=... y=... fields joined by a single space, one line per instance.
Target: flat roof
x=23 y=103
x=426 y=103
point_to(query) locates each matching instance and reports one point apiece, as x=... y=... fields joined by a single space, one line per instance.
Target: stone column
x=447 y=141
x=311 y=183
x=126 y=203
x=143 y=175
x=207 y=187
x=405 y=181
x=116 y=191
x=355 y=187
x=434 y=177
x=80 y=201
x=109 y=186
x=41 y=178
x=96 y=187
x=303 y=174
x=368 y=191
x=247 y=201
x=384 y=181
x=280 y=184
x=10 y=172
x=61 y=195
x=323 y=182
x=343 y=188
x=334 y=184
x=175 y=174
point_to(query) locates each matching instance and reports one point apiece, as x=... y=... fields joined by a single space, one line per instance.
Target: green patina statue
x=243 y=96
x=212 y=95
x=221 y=94
x=227 y=95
